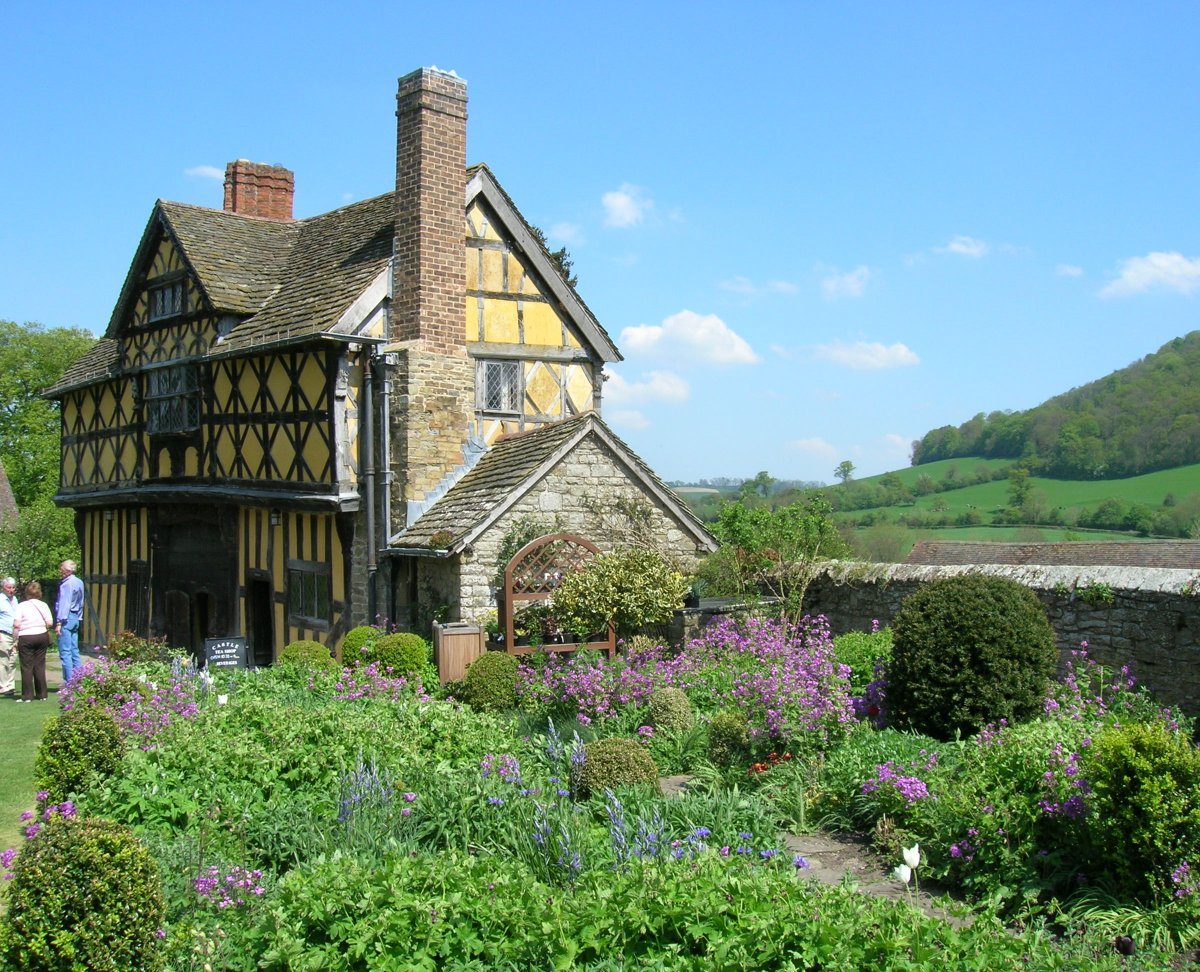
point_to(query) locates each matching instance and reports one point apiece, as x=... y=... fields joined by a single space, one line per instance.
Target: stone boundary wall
x=1152 y=624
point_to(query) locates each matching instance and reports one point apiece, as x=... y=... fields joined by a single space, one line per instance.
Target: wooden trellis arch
x=532 y=575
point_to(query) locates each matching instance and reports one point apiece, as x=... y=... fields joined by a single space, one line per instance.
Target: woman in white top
x=31 y=624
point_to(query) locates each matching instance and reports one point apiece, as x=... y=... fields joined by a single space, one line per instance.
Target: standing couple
x=29 y=621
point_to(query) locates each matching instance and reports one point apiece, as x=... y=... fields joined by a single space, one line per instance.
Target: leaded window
x=500 y=386
x=165 y=300
x=172 y=400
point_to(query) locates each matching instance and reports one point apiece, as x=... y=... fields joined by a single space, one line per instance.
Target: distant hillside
x=1137 y=420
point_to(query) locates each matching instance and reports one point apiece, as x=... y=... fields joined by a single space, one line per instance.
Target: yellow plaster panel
x=542 y=325
x=572 y=340
x=278 y=383
x=223 y=447
x=191 y=462
x=472 y=268
x=489 y=232
x=519 y=282
x=500 y=321
x=541 y=388
x=493 y=271
x=312 y=381
x=316 y=455
x=471 y=307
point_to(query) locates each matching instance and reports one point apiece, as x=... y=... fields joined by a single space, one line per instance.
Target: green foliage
x=862 y=651
x=79 y=748
x=525 y=530
x=130 y=647
x=670 y=712
x=356 y=640
x=728 y=738
x=43 y=537
x=967 y=651
x=85 y=898
x=772 y=552
x=463 y=911
x=615 y=762
x=629 y=589
x=32 y=358
x=1144 y=781
x=491 y=682
x=404 y=653
x=311 y=655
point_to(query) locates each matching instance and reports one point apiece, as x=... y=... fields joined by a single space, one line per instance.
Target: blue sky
x=816 y=231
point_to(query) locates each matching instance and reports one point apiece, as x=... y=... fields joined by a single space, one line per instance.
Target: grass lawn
x=21 y=730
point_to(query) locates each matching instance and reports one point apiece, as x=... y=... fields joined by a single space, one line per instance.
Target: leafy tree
x=44 y=536
x=31 y=359
x=844 y=471
x=1019 y=487
x=772 y=552
x=560 y=257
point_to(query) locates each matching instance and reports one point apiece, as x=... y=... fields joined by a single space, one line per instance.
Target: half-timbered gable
x=278 y=405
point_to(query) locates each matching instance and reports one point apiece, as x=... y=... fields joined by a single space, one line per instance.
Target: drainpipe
x=367 y=450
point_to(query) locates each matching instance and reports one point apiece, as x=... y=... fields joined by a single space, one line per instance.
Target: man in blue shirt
x=68 y=612
x=8 y=648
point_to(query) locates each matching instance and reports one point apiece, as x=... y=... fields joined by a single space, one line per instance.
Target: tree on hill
x=1136 y=420
x=844 y=471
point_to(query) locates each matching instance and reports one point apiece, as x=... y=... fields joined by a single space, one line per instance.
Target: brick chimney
x=433 y=379
x=258 y=189
x=430 y=255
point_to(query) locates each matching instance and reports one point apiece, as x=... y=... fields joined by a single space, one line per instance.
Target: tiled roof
x=332 y=260
x=506 y=470
x=1178 y=554
x=99 y=362
x=239 y=260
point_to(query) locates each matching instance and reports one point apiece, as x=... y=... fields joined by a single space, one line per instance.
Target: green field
x=21 y=729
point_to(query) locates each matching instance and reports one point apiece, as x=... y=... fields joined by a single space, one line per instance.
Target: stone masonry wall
x=580 y=492
x=1152 y=624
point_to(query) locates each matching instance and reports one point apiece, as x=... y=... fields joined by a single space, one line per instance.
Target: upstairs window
x=172 y=400
x=499 y=386
x=165 y=300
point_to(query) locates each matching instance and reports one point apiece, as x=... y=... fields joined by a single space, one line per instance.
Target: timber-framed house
x=293 y=426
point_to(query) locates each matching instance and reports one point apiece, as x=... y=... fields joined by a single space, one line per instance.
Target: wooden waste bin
x=455 y=646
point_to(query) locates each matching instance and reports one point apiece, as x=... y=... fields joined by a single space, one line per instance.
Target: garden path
x=834 y=858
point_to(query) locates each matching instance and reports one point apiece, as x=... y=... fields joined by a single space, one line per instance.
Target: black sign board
x=223 y=653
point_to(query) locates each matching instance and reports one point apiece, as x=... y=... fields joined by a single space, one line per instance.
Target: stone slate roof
x=238 y=260
x=1171 y=554
x=98 y=363
x=330 y=263
x=509 y=469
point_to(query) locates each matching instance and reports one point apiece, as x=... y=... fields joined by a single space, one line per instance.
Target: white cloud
x=852 y=284
x=1169 y=271
x=816 y=446
x=569 y=233
x=205 y=172
x=690 y=336
x=1068 y=270
x=965 y=246
x=626 y=206
x=629 y=419
x=746 y=286
x=653 y=386
x=868 y=356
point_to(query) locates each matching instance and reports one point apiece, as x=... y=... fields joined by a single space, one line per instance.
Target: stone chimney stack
x=258 y=189
x=430 y=255
x=433 y=379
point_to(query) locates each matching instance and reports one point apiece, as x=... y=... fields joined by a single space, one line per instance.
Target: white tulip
x=912 y=856
x=903 y=872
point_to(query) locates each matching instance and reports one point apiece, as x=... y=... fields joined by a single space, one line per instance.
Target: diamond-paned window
x=172 y=400
x=500 y=386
